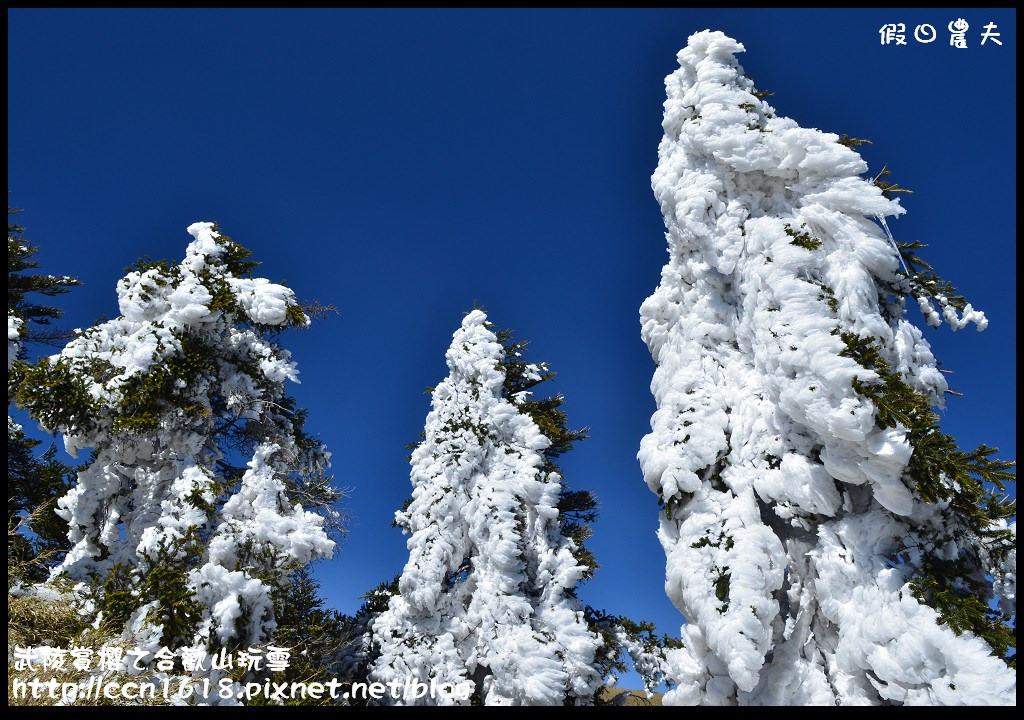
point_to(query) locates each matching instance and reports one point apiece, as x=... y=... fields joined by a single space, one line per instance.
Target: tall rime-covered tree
x=827 y=543
x=203 y=491
x=34 y=480
x=487 y=595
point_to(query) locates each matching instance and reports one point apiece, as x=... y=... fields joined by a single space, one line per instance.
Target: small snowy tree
x=487 y=595
x=34 y=481
x=356 y=652
x=316 y=635
x=827 y=543
x=203 y=492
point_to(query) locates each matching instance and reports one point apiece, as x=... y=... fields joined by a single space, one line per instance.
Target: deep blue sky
x=401 y=164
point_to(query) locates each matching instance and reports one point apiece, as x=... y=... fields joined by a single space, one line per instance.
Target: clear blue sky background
x=401 y=164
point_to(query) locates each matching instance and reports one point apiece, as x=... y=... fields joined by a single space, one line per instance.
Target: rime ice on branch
x=486 y=595
x=812 y=513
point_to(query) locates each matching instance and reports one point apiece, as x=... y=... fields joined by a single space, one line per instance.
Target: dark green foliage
x=354 y=652
x=296 y=316
x=759 y=94
x=165 y=581
x=22 y=286
x=937 y=466
x=802 y=239
x=973 y=486
x=959 y=599
x=119 y=598
x=301 y=616
x=405 y=506
x=34 y=483
x=622 y=640
x=828 y=296
x=888 y=189
x=223 y=299
x=57 y=397
x=376 y=601
x=147 y=263
x=178 y=611
x=923 y=279
x=613 y=657
x=722 y=589
x=235 y=257
x=577 y=508
x=757 y=123
x=314 y=635
x=852 y=142
x=36 y=536
x=707 y=542
x=148 y=397
x=647 y=634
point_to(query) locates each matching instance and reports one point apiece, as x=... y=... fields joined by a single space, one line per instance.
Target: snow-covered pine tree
x=487 y=594
x=203 y=491
x=826 y=542
x=624 y=642
x=34 y=481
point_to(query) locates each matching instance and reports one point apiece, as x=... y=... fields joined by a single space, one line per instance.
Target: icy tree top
x=712 y=111
x=204 y=317
x=727 y=154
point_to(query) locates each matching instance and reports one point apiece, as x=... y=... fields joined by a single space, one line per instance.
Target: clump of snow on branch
x=486 y=593
x=14 y=325
x=1004 y=573
x=783 y=498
